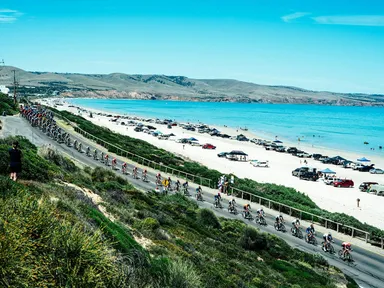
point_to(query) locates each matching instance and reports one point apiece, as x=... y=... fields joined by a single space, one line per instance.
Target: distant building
x=4 y=89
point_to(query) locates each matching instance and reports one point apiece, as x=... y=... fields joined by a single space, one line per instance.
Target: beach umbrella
x=327 y=171
x=193 y=139
x=363 y=160
x=278 y=141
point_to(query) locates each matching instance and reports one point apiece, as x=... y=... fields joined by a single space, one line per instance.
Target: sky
x=319 y=45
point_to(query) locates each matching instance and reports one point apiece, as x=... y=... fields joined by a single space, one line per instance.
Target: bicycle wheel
x=276 y=226
x=340 y=253
x=349 y=257
x=331 y=249
x=282 y=228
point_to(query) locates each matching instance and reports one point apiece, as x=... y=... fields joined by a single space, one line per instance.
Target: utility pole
x=15 y=83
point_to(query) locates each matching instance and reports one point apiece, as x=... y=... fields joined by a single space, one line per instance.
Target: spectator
x=15 y=160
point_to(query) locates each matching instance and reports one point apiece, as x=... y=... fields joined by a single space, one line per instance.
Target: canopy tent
x=338 y=158
x=363 y=160
x=327 y=171
x=192 y=139
x=237 y=152
x=277 y=141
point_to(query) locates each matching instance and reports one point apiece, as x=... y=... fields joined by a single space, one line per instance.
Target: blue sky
x=320 y=45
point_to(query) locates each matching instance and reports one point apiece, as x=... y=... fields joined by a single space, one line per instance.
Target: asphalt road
x=367 y=268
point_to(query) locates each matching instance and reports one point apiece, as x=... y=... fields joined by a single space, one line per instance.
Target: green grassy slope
x=53 y=234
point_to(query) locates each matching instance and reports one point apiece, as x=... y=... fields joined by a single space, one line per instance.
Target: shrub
x=51 y=154
x=253 y=240
x=207 y=218
x=183 y=275
x=150 y=224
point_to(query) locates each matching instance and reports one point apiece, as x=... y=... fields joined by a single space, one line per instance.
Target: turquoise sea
x=336 y=127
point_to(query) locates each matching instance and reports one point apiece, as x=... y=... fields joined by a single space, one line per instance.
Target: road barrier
x=274 y=205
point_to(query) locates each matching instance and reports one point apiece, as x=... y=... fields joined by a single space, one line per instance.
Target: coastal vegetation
x=7 y=105
x=279 y=193
x=88 y=227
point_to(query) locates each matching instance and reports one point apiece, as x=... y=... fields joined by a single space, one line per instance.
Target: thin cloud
x=352 y=20
x=9 y=16
x=288 y=18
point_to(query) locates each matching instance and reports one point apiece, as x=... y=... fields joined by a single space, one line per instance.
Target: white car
x=330 y=180
x=376 y=171
x=257 y=163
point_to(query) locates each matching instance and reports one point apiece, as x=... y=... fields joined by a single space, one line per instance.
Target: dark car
x=309 y=175
x=366 y=168
x=169 y=126
x=222 y=154
x=343 y=183
x=280 y=149
x=225 y=136
x=292 y=150
x=138 y=129
x=366 y=185
x=316 y=156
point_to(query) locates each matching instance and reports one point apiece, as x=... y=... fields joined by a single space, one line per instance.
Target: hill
x=62 y=226
x=118 y=85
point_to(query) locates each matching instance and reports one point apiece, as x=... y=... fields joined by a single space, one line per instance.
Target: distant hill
x=162 y=87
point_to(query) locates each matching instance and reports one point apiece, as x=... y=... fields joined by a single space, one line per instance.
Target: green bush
x=150 y=224
x=253 y=240
x=7 y=105
x=207 y=218
x=52 y=155
x=183 y=275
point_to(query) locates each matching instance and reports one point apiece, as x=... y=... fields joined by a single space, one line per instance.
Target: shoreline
x=342 y=200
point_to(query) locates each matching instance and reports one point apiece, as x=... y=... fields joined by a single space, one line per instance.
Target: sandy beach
x=342 y=200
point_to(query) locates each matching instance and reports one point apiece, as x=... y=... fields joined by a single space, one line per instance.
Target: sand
x=343 y=200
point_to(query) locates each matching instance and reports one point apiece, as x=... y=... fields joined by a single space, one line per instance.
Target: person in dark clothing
x=15 y=160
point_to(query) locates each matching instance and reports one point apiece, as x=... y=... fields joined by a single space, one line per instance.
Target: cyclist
x=260 y=213
x=279 y=220
x=80 y=146
x=124 y=168
x=75 y=144
x=246 y=209
x=135 y=172
x=114 y=162
x=198 y=193
x=158 y=178
x=347 y=247
x=310 y=232
x=95 y=154
x=169 y=183
x=106 y=157
x=296 y=225
x=88 y=150
x=177 y=184
x=232 y=203
x=185 y=185
x=217 y=199
x=327 y=237
x=144 y=175
x=102 y=156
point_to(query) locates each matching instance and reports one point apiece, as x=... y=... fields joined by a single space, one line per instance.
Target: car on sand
x=376 y=171
x=343 y=183
x=209 y=146
x=258 y=163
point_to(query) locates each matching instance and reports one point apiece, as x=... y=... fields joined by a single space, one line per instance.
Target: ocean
x=335 y=127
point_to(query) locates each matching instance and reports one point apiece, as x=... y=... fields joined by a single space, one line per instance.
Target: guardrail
x=274 y=205
x=139 y=159
x=303 y=215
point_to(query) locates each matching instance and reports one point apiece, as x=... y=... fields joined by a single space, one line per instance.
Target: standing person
x=15 y=160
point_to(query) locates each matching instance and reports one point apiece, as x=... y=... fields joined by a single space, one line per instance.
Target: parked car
x=376 y=171
x=257 y=163
x=377 y=190
x=169 y=126
x=347 y=164
x=138 y=129
x=330 y=179
x=298 y=171
x=222 y=154
x=195 y=143
x=303 y=155
x=343 y=183
x=365 y=186
x=309 y=175
x=280 y=149
x=316 y=156
x=292 y=150
x=209 y=146
x=365 y=168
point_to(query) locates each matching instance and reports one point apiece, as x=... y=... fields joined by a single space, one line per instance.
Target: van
x=376 y=190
